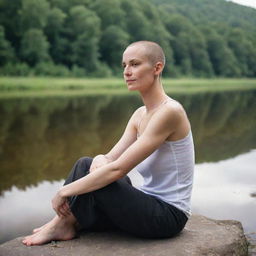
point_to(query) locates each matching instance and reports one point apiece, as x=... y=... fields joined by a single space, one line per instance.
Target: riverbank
x=201 y=236
x=43 y=86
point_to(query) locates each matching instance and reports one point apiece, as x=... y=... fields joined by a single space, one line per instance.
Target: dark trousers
x=121 y=206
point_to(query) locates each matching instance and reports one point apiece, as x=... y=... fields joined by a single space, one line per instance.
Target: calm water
x=40 y=138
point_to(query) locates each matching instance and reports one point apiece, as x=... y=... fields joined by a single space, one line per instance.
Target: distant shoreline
x=18 y=87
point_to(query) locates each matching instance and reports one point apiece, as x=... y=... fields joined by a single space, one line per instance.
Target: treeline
x=87 y=37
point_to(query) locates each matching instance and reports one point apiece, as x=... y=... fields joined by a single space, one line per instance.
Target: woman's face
x=139 y=73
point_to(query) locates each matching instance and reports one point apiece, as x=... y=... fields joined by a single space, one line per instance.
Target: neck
x=153 y=96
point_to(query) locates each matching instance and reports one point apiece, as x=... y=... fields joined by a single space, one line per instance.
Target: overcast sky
x=251 y=3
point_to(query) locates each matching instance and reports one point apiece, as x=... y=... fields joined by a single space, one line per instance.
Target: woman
x=157 y=141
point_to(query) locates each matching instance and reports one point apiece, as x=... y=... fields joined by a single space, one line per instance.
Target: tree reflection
x=40 y=138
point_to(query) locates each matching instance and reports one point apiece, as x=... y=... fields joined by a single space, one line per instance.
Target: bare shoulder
x=138 y=112
x=136 y=116
x=172 y=110
x=173 y=117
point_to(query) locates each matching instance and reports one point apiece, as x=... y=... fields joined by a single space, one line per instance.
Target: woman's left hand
x=60 y=205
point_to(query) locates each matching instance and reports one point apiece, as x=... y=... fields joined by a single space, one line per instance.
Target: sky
x=251 y=3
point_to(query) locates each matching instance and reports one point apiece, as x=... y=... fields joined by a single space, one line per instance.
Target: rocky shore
x=201 y=236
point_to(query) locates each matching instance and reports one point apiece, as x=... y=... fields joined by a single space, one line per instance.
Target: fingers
x=67 y=208
x=63 y=210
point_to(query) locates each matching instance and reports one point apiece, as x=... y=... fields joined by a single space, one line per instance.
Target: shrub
x=77 y=71
x=15 y=69
x=51 y=69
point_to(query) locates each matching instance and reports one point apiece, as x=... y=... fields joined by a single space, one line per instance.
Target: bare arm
x=159 y=128
x=128 y=137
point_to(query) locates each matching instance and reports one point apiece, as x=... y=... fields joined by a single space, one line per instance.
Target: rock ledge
x=201 y=236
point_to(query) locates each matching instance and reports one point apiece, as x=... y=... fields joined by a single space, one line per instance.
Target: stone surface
x=251 y=238
x=201 y=236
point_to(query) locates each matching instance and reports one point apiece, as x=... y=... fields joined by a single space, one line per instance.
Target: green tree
x=251 y=59
x=54 y=30
x=223 y=60
x=84 y=26
x=199 y=55
x=137 y=24
x=34 y=14
x=110 y=12
x=6 y=50
x=190 y=49
x=113 y=42
x=179 y=28
x=181 y=53
x=176 y=24
x=10 y=20
x=84 y=20
x=34 y=47
x=85 y=52
x=55 y=21
x=87 y=36
x=66 y=5
x=243 y=50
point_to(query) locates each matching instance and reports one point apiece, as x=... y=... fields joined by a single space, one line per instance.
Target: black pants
x=121 y=206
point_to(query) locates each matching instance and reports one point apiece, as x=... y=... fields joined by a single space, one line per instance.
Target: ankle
x=69 y=220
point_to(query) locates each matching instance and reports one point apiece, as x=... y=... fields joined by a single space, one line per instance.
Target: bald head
x=152 y=50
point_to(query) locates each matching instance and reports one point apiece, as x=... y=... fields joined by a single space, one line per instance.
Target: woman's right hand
x=99 y=161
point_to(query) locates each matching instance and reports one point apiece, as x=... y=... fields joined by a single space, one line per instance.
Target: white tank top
x=168 y=173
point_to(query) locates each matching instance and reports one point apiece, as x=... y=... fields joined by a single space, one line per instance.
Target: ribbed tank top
x=168 y=172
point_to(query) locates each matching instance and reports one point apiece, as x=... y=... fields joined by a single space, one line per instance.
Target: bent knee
x=84 y=163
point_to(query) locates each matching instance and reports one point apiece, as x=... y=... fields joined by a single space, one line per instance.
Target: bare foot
x=35 y=230
x=57 y=229
x=48 y=223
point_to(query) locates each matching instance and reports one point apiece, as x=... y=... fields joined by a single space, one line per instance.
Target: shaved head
x=152 y=50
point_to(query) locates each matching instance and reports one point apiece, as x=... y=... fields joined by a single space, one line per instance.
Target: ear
x=159 y=68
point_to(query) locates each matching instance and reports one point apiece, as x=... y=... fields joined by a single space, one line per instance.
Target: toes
x=25 y=242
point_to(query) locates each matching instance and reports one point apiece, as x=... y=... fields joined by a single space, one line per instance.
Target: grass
x=38 y=86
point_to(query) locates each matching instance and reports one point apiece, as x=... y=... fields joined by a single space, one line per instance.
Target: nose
x=127 y=71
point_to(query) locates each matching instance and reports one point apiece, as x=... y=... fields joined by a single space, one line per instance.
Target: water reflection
x=22 y=210
x=41 y=138
x=223 y=190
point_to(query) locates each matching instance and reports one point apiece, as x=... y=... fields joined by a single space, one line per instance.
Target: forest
x=86 y=38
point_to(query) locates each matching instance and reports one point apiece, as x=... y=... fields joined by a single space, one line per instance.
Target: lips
x=130 y=80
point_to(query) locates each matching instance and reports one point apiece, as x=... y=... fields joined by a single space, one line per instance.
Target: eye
x=135 y=64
